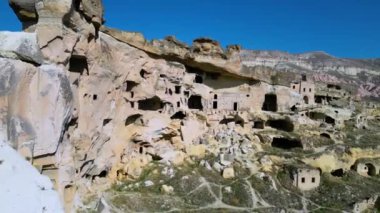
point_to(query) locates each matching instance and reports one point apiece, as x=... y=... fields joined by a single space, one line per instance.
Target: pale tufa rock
x=196 y=150
x=167 y=189
x=228 y=173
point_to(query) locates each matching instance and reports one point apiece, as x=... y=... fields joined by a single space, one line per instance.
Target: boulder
x=167 y=189
x=93 y=10
x=26 y=13
x=196 y=150
x=20 y=45
x=228 y=173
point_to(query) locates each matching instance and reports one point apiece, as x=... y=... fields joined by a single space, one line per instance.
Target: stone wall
x=306 y=179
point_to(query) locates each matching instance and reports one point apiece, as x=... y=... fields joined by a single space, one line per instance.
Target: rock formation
x=107 y=115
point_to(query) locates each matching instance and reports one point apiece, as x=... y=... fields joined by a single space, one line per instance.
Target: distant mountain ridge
x=362 y=75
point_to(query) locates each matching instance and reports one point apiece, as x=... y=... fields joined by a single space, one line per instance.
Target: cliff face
x=91 y=107
x=275 y=67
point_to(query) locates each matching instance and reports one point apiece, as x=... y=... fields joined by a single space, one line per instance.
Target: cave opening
x=325 y=135
x=306 y=99
x=143 y=73
x=285 y=143
x=235 y=106
x=270 y=103
x=198 y=74
x=240 y=122
x=330 y=120
x=102 y=174
x=195 y=102
x=106 y=121
x=227 y=120
x=178 y=115
x=293 y=108
x=215 y=105
x=129 y=85
x=371 y=169
x=78 y=64
x=281 y=124
x=258 y=125
x=230 y=120
x=186 y=93
x=318 y=99
x=177 y=89
x=316 y=116
x=151 y=104
x=198 y=79
x=132 y=119
x=76 y=4
x=337 y=173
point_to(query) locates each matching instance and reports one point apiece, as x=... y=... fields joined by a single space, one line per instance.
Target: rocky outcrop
x=22 y=46
x=26 y=12
x=205 y=54
x=36 y=103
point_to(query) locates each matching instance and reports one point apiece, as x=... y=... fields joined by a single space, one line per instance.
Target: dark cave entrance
x=215 y=105
x=235 y=106
x=151 y=104
x=78 y=64
x=270 y=103
x=129 y=85
x=102 y=174
x=338 y=173
x=306 y=99
x=106 y=121
x=198 y=79
x=285 y=143
x=132 y=119
x=143 y=73
x=371 y=169
x=282 y=124
x=318 y=99
x=177 y=89
x=330 y=120
x=237 y=121
x=325 y=135
x=178 y=115
x=258 y=125
x=195 y=102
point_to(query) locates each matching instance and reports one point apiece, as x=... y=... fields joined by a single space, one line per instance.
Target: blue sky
x=344 y=28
